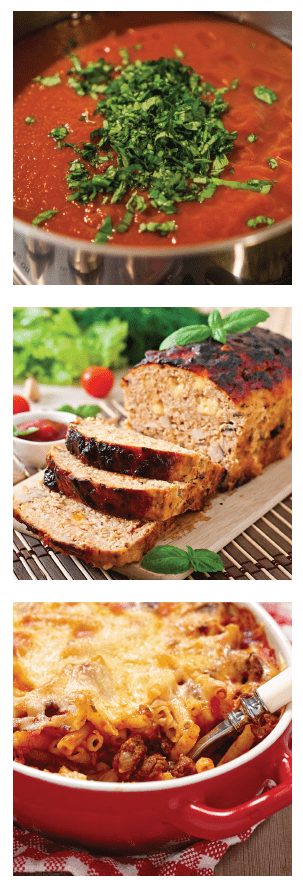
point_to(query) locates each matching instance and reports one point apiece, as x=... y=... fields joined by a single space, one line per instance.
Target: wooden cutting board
x=228 y=515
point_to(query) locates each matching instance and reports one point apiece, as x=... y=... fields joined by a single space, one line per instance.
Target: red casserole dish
x=139 y=817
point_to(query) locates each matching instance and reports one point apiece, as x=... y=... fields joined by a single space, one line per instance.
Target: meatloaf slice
x=73 y=528
x=231 y=400
x=121 y=450
x=126 y=496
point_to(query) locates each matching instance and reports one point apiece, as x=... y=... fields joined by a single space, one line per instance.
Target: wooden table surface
x=266 y=853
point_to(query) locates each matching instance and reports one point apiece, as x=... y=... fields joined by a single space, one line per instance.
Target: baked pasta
x=122 y=691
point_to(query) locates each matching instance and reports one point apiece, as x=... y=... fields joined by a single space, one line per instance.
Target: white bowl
x=34 y=453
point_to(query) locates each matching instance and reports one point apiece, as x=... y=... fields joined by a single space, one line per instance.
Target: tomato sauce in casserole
x=225 y=55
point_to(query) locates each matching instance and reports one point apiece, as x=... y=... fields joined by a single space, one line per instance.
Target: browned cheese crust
x=97 y=538
x=231 y=401
x=126 y=496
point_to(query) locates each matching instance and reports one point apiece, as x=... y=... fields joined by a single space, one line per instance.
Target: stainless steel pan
x=259 y=258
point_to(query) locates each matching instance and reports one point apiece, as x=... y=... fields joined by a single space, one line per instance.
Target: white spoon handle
x=277 y=692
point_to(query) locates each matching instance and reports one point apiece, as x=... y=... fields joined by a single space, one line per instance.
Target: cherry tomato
x=20 y=404
x=97 y=381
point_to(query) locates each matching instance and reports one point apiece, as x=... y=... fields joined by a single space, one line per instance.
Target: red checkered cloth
x=34 y=855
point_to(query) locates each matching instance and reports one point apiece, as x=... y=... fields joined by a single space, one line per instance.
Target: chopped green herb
x=252 y=138
x=178 y=53
x=149 y=111
x=260 y=221
x=124 y=55
x=234 y=84
x=29 y=120
x=104 y=232
x=58 y=133
x=265 y=95
x=161 y=133
x=272 y=163
x=44 y=215
x=48 y=81
x=162 y=228
x=138 y=46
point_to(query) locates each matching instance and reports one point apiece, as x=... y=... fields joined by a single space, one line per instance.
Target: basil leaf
x=219 y=334
x=68 y=408
x=19 y=433
x=260 y=221
x=214 y=319
x=29 y=120
x=44 y=215
x=252 y=138
x=265 y=95
x=184 y=336
x=88 y=411
x=166 y=559
x=234 y=322
x=243 y=319
x=203 y=560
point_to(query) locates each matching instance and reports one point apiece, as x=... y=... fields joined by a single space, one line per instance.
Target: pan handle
x=201 y=821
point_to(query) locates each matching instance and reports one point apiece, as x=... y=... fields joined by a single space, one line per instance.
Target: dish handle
x=201 y=821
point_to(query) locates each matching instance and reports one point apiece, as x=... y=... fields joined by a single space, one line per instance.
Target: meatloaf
x=121 y=450
x=95 y=537
x=126 y=496
x=232 y=401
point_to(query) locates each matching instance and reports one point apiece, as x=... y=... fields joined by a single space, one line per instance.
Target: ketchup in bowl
x=48 y=431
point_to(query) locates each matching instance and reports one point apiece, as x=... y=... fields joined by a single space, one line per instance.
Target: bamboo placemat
x=263 y=551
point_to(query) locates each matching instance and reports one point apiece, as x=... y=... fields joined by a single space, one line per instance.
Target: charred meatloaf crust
x=121 y=450
x=126 y=496
x=98 y=538
x=231 y=400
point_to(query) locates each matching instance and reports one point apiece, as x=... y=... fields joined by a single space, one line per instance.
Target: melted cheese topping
x=128 y=667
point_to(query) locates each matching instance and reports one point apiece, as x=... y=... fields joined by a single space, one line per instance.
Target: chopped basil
x=260 y=221
x=272 y=163
x=252 y=138
x=124 y=55
x=48 y=81
x=138 y=46
x=265 y=95
x=162 y=228
x=58 y=133
x=44 y=215
x=161 y=133
x=29 y=120
x=104 y=232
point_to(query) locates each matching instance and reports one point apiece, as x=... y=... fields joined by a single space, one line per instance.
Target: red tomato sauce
x=220 y=52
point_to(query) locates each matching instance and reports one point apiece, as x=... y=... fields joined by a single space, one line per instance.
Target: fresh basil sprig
x=17 y=432
x=83 y=411
x=235 y=322
x=169 y=560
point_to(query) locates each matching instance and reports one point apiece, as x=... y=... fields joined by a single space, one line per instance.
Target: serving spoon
x=266 y=699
